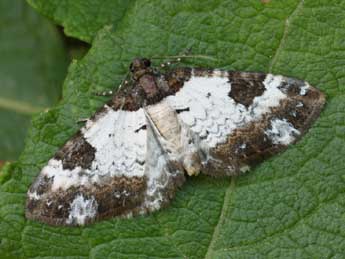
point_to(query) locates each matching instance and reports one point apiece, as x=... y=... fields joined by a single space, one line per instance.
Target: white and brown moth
x=134 y=153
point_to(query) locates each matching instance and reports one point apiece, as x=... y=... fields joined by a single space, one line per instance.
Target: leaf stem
x=19 y=107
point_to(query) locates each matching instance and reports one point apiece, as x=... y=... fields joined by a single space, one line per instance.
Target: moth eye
x=147 y=62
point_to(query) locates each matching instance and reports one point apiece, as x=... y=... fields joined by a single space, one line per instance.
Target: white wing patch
x=282 y=132
x=65 y=178
x=120 y=150
x=120 y=144
x=212 y=114
x=34 y=195
x=81 y=210
x=304 y=89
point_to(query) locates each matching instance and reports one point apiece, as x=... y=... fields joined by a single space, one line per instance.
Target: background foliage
x=33 y=64
x=292 y=206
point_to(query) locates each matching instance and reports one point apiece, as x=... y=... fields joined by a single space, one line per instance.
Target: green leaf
x=33 y=64
x=82 y=19
x=291 y=206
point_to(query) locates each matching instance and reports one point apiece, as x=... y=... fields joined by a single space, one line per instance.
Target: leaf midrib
x=228 y=193
x=224 y=211
x=285 y=33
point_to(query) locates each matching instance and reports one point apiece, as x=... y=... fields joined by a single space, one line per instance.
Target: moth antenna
x=104 y=93
x=184 y=54
x=179 y=57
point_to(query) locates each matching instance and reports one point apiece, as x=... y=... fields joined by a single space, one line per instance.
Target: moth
x=135 y=152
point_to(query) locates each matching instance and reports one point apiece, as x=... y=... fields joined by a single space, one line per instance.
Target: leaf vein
x=285 y=33
x=223 y=213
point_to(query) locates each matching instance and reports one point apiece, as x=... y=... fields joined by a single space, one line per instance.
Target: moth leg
x=124 y=82
x=82 y=120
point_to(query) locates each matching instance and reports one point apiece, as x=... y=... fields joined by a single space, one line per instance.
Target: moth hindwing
x=133 y=154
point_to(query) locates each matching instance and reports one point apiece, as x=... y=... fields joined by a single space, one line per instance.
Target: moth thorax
x=148 y=83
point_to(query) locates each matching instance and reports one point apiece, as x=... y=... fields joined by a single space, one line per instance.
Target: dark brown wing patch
x=246 y=86
x=76 y=152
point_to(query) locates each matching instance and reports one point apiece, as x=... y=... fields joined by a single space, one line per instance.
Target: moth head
x=139 y=64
